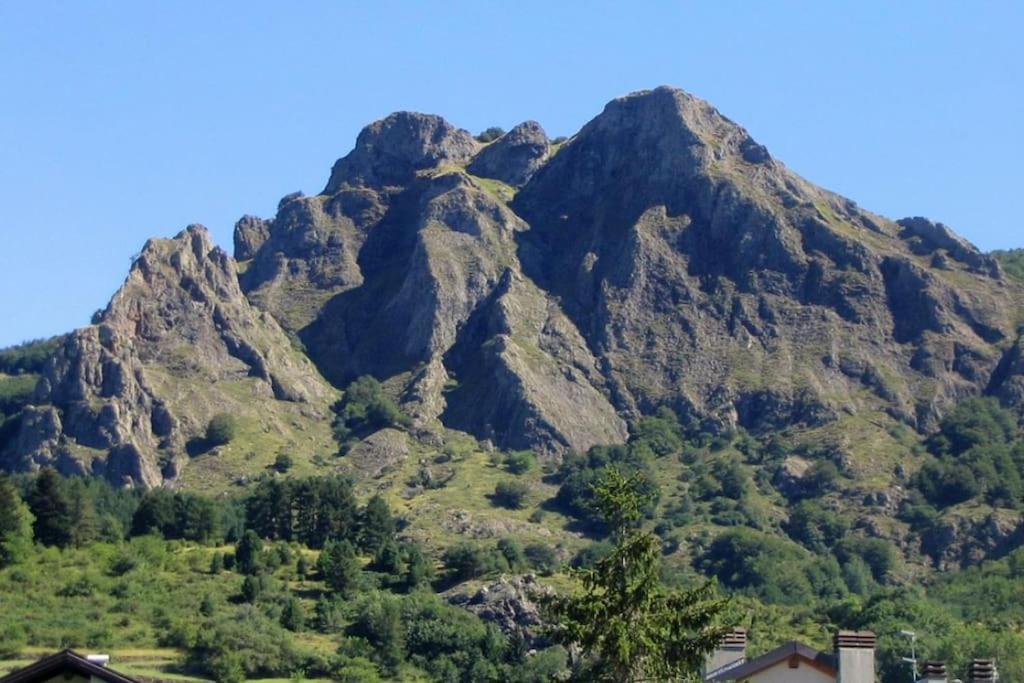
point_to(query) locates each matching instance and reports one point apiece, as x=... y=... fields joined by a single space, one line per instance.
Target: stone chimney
x=982 y=671
x=731 y=652
x=933 y=672
x=855 y=654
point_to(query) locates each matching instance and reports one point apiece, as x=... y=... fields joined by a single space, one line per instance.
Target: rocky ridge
x=544 y=297
x=122 y=397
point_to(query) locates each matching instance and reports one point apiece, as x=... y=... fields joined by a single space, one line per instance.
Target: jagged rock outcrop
x=121 y=398
x=251 y=233
x=391 y=151
x=959 y=540
x=511 y=604
x=926 y=237
x=515 y=156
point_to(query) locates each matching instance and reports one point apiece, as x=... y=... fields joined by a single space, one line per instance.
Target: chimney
x=933 y=672
x=730 y=653
x=102 y=660
x=982 y=671
x=855 y=654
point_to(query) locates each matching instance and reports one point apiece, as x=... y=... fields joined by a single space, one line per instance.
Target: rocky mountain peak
x=390 y=151
x=124 y=397
x=683 y=127
x=515 y=156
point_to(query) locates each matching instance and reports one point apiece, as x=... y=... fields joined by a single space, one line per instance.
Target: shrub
x=519 y=462
x=511 y=494
x=283 y=462
x=222 y=430
x=364 y=409
x=776 y=570
x=465 y=561
x=491 y=134
x=542 y=558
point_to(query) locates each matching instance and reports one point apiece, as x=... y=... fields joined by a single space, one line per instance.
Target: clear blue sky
x=125 y=120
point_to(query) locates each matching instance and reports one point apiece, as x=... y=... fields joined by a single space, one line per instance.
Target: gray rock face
x=722 y=281
x=390 y=151
x=510 y=604
x=515 y=156
x=959 y=541
x=250 y=234
x=120 y=398
x=926 y=237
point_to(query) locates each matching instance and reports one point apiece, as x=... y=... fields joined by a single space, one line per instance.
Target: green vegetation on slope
x=1012 y=261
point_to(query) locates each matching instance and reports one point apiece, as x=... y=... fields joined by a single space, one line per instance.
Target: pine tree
x=418 y=571
x=293 y=616
x=629 y=626
x=248 y=553
x=339 y=566
x=85 y=527
x=52 y=509
x=377 y=526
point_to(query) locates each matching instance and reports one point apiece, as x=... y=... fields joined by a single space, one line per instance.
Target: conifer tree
x=52 y=509
x=339 y=566
x=377 y=526
x=629 y=626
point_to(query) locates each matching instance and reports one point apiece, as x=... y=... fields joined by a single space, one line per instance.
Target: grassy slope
x=125 y=615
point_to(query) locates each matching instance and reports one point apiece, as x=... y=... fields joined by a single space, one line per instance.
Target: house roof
x=825 y=662
x=63 y=661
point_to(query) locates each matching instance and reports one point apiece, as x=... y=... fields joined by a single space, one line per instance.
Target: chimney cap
x=736 y=637
x=933 y=668
x=102 y=660
x=861 y=640
x=982 y=670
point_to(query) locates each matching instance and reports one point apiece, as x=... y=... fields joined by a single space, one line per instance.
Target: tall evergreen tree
x=155 y=514
x=629 y=626
x=339 y=567
x=85 y=524
x=248 y=553
x=52 y=509
x=377 y=526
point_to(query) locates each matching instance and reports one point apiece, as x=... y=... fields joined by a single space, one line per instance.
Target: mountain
x=126 y=397
x=534 y=295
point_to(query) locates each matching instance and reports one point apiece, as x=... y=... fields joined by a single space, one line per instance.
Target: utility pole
x=912 y=659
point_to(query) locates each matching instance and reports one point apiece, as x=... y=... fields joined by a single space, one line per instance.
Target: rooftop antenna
x=912 y=659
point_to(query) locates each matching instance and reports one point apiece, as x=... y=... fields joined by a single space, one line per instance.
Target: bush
x=222 y=430
x=283 y=462
x=465 y=561
x=511 y=494
x=245 y=643
x=814 y=527
x=519 y=462
x=578 y=474
x=491 y=134
x=542 y=558
x=364 y=409
x=773 y=569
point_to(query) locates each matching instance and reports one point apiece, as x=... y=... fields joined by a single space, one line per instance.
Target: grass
x=1012 y=261
x=17 y=388
x=441 y=517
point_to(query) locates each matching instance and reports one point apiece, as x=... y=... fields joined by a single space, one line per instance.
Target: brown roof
x=64 y=661
x=820 y=660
